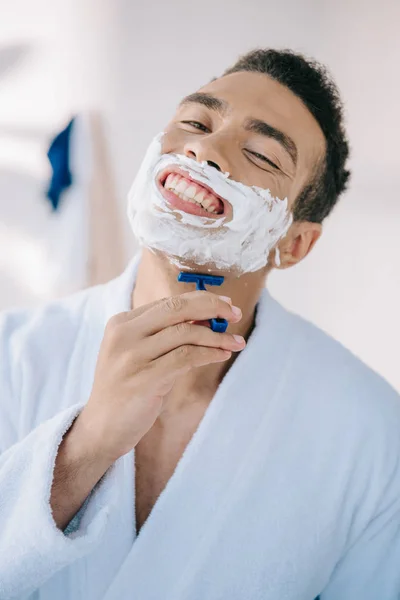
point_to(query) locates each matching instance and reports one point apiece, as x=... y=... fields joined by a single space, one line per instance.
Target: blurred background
x=121 y=67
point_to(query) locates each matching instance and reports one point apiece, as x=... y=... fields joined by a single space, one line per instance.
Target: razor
x=201 y=280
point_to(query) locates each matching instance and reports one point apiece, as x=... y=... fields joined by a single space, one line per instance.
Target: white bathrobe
x=289 y=489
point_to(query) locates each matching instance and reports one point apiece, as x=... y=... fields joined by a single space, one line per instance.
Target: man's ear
x=297 y=243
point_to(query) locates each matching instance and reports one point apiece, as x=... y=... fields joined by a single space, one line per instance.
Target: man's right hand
x=142 y=353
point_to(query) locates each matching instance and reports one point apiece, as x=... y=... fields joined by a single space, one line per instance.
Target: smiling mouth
x=193 y=197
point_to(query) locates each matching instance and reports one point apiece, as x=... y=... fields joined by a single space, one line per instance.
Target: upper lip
x=175 y=169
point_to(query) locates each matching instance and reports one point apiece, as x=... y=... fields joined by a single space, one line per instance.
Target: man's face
x=218 y=191
x=254 y=128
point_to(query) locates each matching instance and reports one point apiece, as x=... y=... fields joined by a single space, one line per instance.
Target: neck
x=157 y=278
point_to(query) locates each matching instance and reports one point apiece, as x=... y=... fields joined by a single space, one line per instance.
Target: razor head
x=201 y=278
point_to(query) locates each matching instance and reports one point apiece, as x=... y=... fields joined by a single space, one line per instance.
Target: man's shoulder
x=64 y=316
x=340 y=380
x=345 y=404
x=51 y=328
x=332 y=355
x=34 y=344
x=59 y=314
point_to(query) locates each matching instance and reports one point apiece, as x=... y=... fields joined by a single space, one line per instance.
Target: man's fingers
x=128 y=315
x=181 y=360
x=189 y=334
x=192 y=306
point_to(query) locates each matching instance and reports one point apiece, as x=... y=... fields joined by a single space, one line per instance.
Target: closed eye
x=197 y=125
x=263 y=158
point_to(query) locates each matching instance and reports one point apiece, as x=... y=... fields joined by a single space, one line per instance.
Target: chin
x=186 y=264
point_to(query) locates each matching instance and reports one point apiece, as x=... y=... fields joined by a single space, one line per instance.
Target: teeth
x=181 y=187
x=206 y=202
x=200 y=197
x=191 y=191
x=187 y=191
x=171 y=181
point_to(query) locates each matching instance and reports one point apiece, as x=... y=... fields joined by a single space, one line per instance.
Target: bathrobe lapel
x=200 y=492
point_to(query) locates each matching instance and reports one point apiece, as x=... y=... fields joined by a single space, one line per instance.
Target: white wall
x=134 y=61
x=55 y=60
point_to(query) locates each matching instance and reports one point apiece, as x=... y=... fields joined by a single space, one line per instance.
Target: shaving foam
x=241 y=243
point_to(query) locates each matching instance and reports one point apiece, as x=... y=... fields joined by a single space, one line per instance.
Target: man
x=145 y=455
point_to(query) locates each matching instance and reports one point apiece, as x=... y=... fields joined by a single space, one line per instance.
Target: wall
x=56 y=59
x=134 y=61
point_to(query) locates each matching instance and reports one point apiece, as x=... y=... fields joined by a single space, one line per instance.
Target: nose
x=213 y=164
x=207 y=150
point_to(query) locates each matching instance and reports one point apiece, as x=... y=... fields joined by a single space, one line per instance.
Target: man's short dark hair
x=311 y=82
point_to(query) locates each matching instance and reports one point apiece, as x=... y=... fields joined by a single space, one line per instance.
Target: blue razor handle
x=218 y=325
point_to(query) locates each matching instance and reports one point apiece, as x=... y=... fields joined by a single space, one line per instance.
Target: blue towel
x=58 y=155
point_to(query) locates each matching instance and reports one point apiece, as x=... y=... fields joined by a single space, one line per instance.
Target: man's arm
x=46 y=477
x=79 y=466
x=32 y=547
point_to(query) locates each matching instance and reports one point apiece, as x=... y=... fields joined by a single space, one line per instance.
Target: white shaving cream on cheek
x=277 y=257
x=242 y=243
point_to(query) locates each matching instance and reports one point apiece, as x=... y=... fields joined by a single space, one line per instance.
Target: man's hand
x=142 y=353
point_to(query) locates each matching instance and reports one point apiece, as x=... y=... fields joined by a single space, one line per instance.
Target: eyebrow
x=254 y=125
x=206 y=100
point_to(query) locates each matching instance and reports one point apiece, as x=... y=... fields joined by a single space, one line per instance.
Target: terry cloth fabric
x=289 y=488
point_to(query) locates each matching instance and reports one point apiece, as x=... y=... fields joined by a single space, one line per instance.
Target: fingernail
x=236 y=311
x=226 y=299
x=238 y=338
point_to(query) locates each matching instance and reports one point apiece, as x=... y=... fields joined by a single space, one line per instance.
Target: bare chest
x=156 y=458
